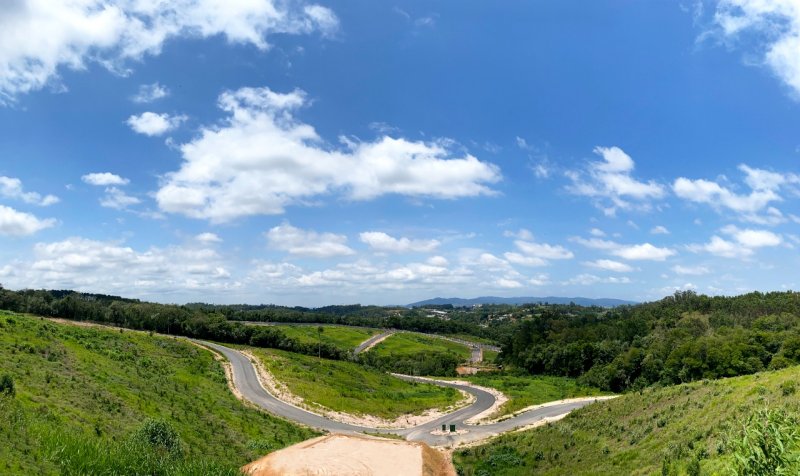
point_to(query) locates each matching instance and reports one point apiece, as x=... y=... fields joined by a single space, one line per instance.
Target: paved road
x=371 y=341
x=246 y=381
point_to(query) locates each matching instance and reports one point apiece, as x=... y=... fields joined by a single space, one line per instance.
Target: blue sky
x=360 y=151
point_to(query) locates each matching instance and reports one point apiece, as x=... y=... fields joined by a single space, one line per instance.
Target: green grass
x=672 y=429
x=346 y=338
x=92 y=388
x=404 y=344
x=526 y=390
x=490 y=356
x=352 y=388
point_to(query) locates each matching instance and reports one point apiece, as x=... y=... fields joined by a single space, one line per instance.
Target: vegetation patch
x=416 y=354
x=352 y=388
x=706 y=427
x=526 y=390
x=345 y=338
x=79 y=393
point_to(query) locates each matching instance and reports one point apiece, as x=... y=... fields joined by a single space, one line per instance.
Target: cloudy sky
x=359 y=151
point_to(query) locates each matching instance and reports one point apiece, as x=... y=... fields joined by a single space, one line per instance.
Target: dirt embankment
x=353 y=455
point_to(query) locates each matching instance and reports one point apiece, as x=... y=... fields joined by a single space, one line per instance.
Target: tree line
x=680 y=338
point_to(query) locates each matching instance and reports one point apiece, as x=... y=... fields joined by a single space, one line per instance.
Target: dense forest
x=680 y=338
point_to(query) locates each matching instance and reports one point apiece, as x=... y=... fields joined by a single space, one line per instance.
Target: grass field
x=87 y=390
x=684 y=429
x=404 y=344
x=351 y=388
x=490 y=356
x=525 y=390
x=346 y=338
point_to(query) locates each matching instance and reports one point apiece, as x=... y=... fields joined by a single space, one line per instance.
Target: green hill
x=345 y=338
x=685 y=429
x=84 y=397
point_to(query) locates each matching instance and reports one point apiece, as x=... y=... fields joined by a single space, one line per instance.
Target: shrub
x=7 y=385
x=766 y=444
x=160 y=436
x=788 y=387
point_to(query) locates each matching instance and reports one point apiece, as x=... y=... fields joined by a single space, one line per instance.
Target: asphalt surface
x=365 y=345
x=246 y=381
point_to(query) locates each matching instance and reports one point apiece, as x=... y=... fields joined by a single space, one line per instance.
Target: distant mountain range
x=603 y=302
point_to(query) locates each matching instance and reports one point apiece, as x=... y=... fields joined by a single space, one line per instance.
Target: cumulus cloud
x=590 y=279
x=39 y=38
x=659 y=230
x=150 y=92
x=609 y=265
x=742 y=243
x=208 y=237
x=383 y=242
x=765 y=187
x=774 y=27
x=104 y=179
x=610 y=184
x=117 y=199
x=643 y=251
x=16 y=223
x=111 y=267
x=532 y=253
x=300 y=242
x=11 y=188
x=153 y=124
x=261 y=159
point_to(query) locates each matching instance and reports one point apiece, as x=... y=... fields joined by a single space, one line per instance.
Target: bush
x=766 y=444
x=788 y=387
x=7 y=385
x=160 y=436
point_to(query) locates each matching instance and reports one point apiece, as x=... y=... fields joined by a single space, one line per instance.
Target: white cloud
x=597 y=232
x=523 y=260
x=775 y=27
x=152 y=124
x=743 y=244
x=150 y=92
x=543 y=250
x=690 y=270
x=764 y=189
x=117 y=199
x=610 y=184
x=111 y=267
x=382 y=242
x=590 y=279
x=208 y=238
x=16 y=223
x=12 y=188
x=644 y=251
x=609 y=265
x=659 y=230
x=104 y=179
x=300 y=242
x=38 y=38
x=261 y=159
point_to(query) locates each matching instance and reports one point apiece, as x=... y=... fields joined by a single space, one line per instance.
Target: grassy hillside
x=404 y=344
x=88 y=390
x=526 y=390
x=684 y=429
x=352 y=388
x=346 y=338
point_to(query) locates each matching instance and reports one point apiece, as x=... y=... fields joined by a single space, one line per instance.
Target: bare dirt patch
x=353 y=455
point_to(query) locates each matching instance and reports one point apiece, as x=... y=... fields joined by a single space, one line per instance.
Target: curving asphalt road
x=246 y=381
